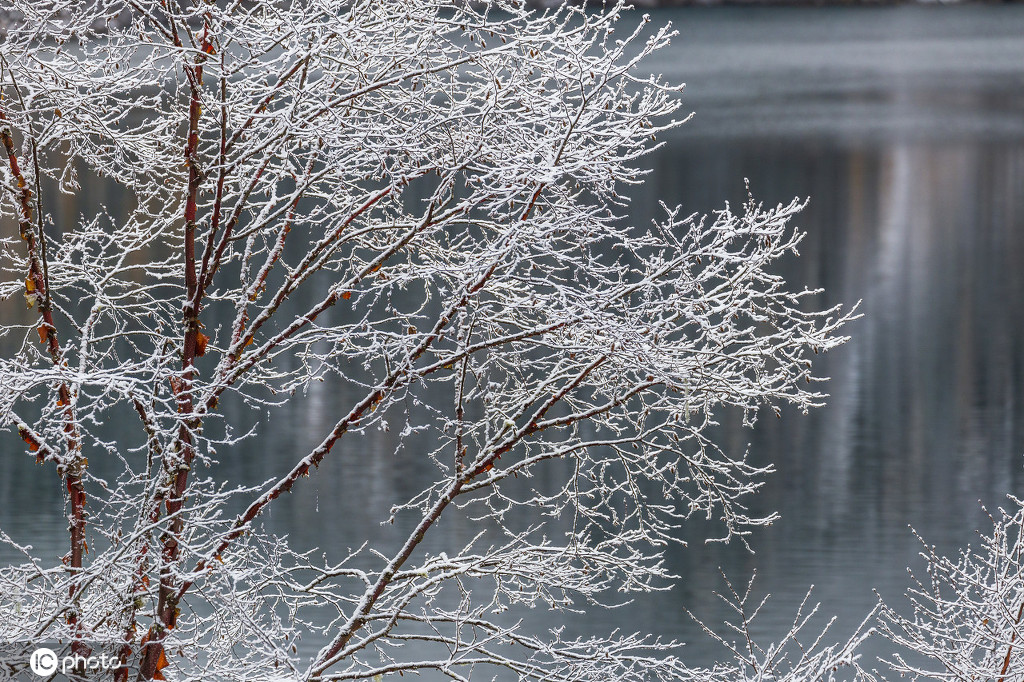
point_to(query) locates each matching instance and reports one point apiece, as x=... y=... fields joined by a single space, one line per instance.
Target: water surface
x=905 y=127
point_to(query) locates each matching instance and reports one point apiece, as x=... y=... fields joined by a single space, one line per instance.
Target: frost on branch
x=966 y=613
x=800 y=655
x=419 y=204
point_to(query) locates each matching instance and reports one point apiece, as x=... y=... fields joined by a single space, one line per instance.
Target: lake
x=905 y=127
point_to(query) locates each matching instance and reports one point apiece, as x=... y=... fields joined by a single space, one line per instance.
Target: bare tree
x=965 y=620
x=420 y=202
x=799 y=655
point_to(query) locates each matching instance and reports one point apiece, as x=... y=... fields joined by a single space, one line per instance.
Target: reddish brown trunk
x=154 y=657
x=1009 y=649
x=37 y=286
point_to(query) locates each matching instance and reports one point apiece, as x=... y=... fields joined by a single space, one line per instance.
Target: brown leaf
x=201 y=341
x=44 y=332
x=27 y=437
x=346 y=295
x=161 y=663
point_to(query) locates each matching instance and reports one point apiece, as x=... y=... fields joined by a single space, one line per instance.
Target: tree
x=420 y=202
x=965 y=620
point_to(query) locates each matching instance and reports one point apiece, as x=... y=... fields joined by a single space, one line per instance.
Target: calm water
x=905 y=127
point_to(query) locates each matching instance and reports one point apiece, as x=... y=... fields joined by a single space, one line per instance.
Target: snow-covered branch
x=421 y=205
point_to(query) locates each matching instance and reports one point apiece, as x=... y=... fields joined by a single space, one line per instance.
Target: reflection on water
x=925 y=417
x=904 y=127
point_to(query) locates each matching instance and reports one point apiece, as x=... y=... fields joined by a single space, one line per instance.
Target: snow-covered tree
x=422 y=203
x=966 y=613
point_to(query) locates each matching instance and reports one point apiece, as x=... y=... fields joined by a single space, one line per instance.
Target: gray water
x=905 y=127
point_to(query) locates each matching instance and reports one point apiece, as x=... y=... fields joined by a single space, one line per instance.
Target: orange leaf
x=201 y=341
x=30 y=284
x=25 y=436
x=346 y=295
x=248 y=342
x=161 y=663
x=145 y=581
x=44 y=332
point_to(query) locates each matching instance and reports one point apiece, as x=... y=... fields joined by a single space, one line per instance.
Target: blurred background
x=904 y=125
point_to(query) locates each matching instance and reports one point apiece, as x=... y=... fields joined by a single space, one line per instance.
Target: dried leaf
x=27 y=437
x=30 y=284
x=201 y=341
x=346 y=295
x=44 y=333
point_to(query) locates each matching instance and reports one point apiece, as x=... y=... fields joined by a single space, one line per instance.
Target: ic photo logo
x=43 y=661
